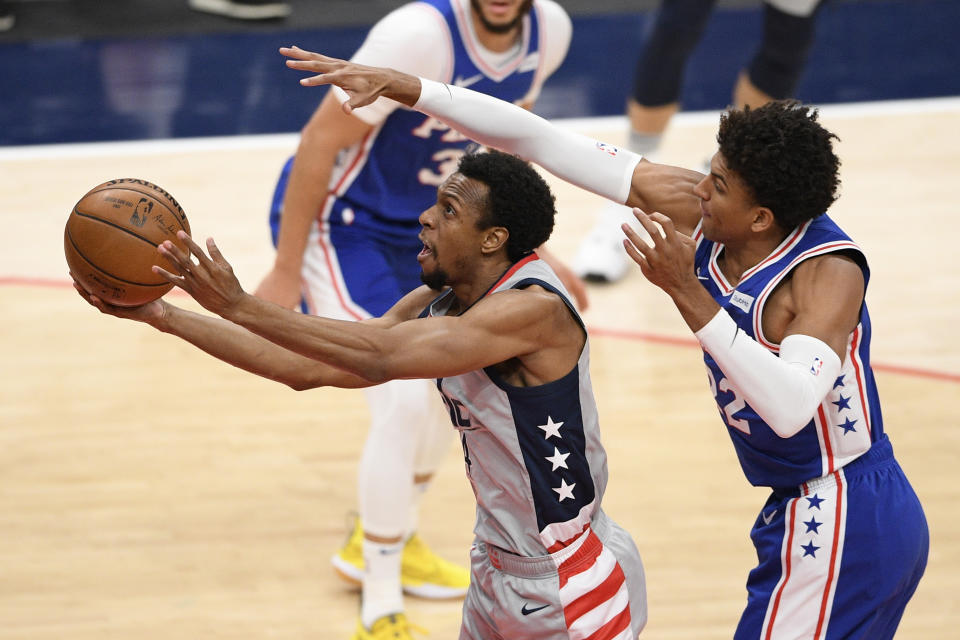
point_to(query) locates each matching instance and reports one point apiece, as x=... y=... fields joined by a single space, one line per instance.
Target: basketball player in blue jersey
x=497 y=331
x=344 y=220
x=774 y=291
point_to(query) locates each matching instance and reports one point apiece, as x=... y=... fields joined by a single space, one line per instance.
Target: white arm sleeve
x=784 y=391
x=595 y=166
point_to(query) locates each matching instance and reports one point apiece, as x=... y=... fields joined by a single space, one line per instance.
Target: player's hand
x=669 y=262
x=362 y=83
x=209 y=280
x=151 y=313
x=280 y=287
x=571 y=281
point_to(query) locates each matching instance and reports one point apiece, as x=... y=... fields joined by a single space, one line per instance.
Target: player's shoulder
x=554 y=18
x=552 y=10
x=418 y=24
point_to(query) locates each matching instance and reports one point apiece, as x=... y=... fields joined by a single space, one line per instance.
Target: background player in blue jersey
x=499 y=333
x=344 y=220
x=774 y=292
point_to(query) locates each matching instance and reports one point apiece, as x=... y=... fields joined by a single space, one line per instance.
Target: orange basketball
x=111 y=240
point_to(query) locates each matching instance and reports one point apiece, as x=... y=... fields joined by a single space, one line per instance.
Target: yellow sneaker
x=391 y=627
x=422 y=572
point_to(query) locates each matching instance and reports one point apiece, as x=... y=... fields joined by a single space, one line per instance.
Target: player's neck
x=483 y=278
x=738 y=258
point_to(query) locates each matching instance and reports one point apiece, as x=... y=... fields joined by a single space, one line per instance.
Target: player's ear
x=763 y=219
x=494 y=238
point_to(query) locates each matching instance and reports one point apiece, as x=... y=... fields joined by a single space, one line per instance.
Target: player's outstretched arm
x=617 y=174
x=510 y=324
x=362 y=83
x=232 y=344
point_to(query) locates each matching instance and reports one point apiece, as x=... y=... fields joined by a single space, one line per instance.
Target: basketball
x=111 y=240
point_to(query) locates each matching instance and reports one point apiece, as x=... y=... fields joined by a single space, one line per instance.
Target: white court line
x=289 y=140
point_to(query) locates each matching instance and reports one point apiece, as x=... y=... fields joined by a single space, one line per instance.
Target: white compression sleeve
x=784 y=391
x=587 y=163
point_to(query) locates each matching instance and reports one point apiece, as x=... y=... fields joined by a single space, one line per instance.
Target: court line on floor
x=289 y=141
x=595 y=331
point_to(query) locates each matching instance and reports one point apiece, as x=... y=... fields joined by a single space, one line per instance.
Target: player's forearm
x=587 y=163
x=668 y=190
x=306 y=191
x=344 y=345
x=235 y=345
x=785 y=391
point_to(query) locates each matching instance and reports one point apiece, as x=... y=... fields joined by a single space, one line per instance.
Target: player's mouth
x=500 y=9
x=425 y=252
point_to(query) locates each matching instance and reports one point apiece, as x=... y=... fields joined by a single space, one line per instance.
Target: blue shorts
x=356 y=264
x=838 y=557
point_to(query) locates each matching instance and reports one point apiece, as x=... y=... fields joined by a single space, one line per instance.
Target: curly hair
x=518 y=199
x=785 y=158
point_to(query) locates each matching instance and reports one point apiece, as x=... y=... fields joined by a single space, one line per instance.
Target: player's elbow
x=787 y=427
x=302 y=384
x=789 y=418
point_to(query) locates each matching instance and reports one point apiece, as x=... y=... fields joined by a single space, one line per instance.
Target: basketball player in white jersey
x=774 y=291
x=344 y=220
x=496 y=330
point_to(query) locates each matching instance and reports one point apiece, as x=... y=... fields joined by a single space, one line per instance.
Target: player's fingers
x=297 y=53
x=656 y=236
x=669 y=230
x=634 y=254
x=215 y=254
x=194 y=249
x=639 y=244
x=176 y=280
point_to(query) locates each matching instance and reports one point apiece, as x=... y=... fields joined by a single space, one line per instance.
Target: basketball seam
x=116 y=226
x=104 y=271
x=114 y=187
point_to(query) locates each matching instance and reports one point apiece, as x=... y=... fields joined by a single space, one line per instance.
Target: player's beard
x=436 y=279
x=506 y=27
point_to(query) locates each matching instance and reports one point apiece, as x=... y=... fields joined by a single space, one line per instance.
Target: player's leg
x=788 y=30
x=350 y=272
x=884 y=520
x=424 y=573
x=593 y=588
x=674 y=32
x=817 y=572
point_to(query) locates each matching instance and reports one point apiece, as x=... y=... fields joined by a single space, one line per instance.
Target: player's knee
x=777 y=66
x=676 y=30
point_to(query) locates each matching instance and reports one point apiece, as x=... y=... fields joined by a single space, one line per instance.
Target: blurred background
x=94 y=70
x=148 y=491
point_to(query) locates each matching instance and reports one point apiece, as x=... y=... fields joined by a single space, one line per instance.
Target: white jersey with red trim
x=533 y=454
x=848 y=420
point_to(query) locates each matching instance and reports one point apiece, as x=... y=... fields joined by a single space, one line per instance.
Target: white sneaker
x=601 y=257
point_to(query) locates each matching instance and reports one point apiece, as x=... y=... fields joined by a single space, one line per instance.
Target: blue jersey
x=847 y=422
x=394 y=174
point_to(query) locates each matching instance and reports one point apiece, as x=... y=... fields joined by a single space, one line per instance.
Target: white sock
x=645 y=144
x=382 y=594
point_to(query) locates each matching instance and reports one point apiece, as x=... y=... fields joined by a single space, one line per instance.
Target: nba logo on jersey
x=608 y=148
x=816 y=366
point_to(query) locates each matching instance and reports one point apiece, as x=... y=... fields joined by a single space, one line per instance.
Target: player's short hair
x=785 y=158
x=518 y=199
